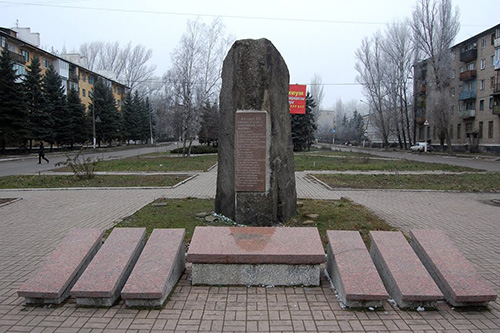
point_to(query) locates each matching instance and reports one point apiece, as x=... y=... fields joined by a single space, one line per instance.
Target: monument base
x=256 y=274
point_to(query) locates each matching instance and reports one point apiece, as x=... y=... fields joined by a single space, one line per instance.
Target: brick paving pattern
x=32 y=227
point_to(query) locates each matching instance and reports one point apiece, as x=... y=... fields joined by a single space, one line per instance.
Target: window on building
x=452 y=92
x=493 y=39
x=20 y=70
x=119 y=103
x=461 y=69
x=480 y=134
x=492 y=60
x=468 y=127
x=483 y=42
x=469 y=105
x=46 y=63
x=490 y=129
x=470 y=86
x=3 y=41
x=453 y=55
x=459 y=131
x=84 y=77
x=26 y=55
x=453 y=74
x=91 y=79
x=481 y=85
x=491 y=102
x=492 y=82
x=471 y=66
x=91 y=94
x=83 y=92
x=483 y=63
x=481 y=105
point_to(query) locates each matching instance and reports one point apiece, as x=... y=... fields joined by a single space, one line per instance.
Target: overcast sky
x=314 y=36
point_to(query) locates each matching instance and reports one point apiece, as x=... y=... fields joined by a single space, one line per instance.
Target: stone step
x=457 y=278
x=256 y=256
x=403 y=274
x=158 y=269
x=352 y=271
x=52 y=282
x=102 y=281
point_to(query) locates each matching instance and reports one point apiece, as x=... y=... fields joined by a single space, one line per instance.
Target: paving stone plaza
x=32 y=227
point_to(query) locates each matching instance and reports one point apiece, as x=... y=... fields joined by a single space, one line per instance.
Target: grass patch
x=481 y=182
x=59 y=181
x=158 y=163
x=181 y=213
x=366 y=163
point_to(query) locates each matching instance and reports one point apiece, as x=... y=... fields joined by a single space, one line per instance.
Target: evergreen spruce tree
x=209 y=126
x=148 y=120
x=304 y=126
x=109 y=122
x=80 y=122
x=129 y=119
x=57 y=107
x=14 y=117
x=40 y=122
x=141 y=117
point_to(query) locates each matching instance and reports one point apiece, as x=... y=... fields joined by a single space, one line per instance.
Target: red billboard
x=297 y=98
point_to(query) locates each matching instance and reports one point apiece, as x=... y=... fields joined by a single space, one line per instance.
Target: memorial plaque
x=251 y=147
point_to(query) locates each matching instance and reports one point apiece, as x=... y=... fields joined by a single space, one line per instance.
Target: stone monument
x=256 y=172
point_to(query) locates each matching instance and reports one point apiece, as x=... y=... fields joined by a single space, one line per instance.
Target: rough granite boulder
x=255 y=77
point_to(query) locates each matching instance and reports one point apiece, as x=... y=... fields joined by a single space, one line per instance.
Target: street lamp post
x=93 y=127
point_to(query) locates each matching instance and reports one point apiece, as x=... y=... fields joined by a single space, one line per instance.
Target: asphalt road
x=15 y=165
x=29 y=164
x=482 y=163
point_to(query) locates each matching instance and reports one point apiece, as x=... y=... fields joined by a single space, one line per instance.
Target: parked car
x=420 y=146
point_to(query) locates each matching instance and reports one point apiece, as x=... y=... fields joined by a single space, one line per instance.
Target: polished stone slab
x=256 y=245
x=457 y=278
x=402 y=272
x=255 y=256
x=158 y=269
x=352 y=271
x=102 y=281
x=52 y=282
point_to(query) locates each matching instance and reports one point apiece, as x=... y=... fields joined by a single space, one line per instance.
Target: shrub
x=197 y=150
x=83 y=168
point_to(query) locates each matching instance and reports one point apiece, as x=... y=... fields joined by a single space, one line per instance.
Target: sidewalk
x=32 y=227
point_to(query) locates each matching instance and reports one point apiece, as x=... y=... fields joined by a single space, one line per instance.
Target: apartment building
x=23 y=45
x=474 y=93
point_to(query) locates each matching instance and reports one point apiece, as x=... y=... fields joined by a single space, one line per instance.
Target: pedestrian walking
x=41 y=154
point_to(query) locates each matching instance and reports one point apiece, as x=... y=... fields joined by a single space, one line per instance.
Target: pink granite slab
x=354 y=268
x=404 y=275
x=151 y=274
x=256 y=245
x=58 y=273
x=107 y=271
x=456 y=276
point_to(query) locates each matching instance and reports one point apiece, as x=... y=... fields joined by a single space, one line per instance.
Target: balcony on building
x=496 y=110
x=467 y=94
x=469 y=55
x=466 y=114
x=468 y=75
x=497 y=42
x=420 y=116
x=18 y=58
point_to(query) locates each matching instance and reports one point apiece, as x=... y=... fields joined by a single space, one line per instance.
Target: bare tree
x=372 y=70
x=399 y=53
x=128 y=64
x=194 y=79
x=317 y=93
x=435 y=26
